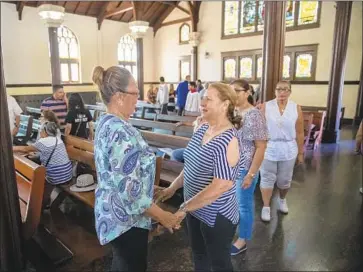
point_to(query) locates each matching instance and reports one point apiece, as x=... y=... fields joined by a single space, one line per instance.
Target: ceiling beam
x=75 y=10
x=161 y=19
x=177 y=6
x=19 y=7
x=89 y=7
x=176 y=21
x=118 y=11
x=137 y=10
x=101 y=14
x=150 y=11
x=194 y=14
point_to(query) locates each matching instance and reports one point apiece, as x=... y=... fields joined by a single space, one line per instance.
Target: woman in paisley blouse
x=252 y=137
x=125 y=171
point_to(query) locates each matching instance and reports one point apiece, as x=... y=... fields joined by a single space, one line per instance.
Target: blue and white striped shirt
x=202 y=164
x=59 y=168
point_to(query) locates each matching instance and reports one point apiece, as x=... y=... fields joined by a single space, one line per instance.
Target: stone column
x=53 y=17
x=194 y=41
x=273 y=47
x=336 y=82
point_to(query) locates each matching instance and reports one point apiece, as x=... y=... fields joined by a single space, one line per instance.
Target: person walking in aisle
x=285 y=147
x=163 y=96
x=181 y=94
x=252 y=137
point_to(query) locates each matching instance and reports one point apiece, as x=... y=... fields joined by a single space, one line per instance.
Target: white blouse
x=281 y=145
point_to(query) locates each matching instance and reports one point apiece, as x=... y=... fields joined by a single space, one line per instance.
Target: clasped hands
x=169 y=220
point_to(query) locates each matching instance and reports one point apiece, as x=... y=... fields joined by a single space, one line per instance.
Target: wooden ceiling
x=154 y=12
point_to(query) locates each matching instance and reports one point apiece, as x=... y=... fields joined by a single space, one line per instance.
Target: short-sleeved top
x=79 y=119
x=281 y=145
x=253 y=129
x=59 y=107
x=14 y=110
x=125 y=171
x=59 y=168
x=203 y=163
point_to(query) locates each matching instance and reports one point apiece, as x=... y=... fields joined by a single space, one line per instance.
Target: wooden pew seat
x=30 y=179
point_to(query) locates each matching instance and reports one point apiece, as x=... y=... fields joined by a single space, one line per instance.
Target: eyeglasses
x=131 y=93
x=280 y=90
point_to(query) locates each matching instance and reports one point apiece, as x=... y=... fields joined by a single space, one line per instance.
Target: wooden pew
x=82 y=150
x=308 y=122
x=139 y=123
x=25 y=130
x=164 y=140
x=174 y=118
x=170 y=170
x=30 y=179
x=191 y=113
x=318 y=122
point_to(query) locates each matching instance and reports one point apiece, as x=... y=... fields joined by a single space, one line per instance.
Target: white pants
x=279 y=172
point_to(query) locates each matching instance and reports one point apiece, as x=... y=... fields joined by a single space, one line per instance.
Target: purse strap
x=51 y=154
x=79 y=124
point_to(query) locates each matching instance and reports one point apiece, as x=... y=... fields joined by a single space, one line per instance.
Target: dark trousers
x=180 y=110
x=164 y=108
x=130 y=251
x=211 y=246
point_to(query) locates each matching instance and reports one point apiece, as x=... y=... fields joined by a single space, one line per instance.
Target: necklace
x=211 y=133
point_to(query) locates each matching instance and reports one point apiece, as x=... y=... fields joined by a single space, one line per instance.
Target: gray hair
x=111 y=81
x=51 y=128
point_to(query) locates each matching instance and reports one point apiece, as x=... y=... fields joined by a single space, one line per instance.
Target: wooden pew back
x=308 y=121
x=318 y=121
x=164 y=140
x=30 y=179
x=174 y=118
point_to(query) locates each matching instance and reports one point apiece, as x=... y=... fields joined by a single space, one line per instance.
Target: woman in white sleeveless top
x=285 y=124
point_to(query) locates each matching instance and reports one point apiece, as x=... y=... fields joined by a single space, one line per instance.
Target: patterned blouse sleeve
x=254 y=126
x=134 y=191
x=222 y=170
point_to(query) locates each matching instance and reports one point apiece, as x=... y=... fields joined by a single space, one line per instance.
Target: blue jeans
x=246 y=205
x=178 y=155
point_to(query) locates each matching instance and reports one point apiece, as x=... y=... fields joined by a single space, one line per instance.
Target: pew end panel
x=30 y=178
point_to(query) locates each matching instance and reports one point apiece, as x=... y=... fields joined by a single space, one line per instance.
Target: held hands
x=170 y=221
x=164 y=195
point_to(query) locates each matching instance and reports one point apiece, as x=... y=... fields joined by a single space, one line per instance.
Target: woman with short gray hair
x=125 y=171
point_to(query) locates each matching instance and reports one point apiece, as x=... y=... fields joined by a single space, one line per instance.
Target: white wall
x=26 y=53
x=167 y=49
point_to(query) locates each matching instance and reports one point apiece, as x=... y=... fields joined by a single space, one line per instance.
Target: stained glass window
x=68 y=55
x=259 y=67
x=231 y=10
x=248 y=16
x=229 y=68
x=286 y=67
x=290 y=13
x=303 y=65
x=308 y=12
x=245 y=66
x=241 y=17
x=127 y=54
x=261 y=15
x=184 y=33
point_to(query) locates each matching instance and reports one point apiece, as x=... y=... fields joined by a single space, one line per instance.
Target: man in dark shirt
x=58 y=103
x=181 y=94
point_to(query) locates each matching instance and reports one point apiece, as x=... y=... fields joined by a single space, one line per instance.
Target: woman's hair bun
x=97 y=76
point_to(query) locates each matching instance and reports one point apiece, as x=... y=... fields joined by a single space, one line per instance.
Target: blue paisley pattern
x=125 y=172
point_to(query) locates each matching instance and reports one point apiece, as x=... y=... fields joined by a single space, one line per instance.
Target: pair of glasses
x=131 y=93
x=280 y=90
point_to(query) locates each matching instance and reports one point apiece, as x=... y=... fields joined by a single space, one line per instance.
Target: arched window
x=184 y=32
x=246 y=18
x=68 y=55
x=127 y=54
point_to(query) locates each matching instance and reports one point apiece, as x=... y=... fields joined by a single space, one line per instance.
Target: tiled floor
x=323 y=230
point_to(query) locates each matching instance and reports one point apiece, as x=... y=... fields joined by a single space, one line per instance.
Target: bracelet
x=183 y=207
x=251 y=175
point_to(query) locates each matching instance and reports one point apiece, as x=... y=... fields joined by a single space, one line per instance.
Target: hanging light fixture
x=52 y=15
x=139 y=28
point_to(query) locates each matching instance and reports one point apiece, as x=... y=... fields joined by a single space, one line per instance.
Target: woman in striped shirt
x=210 y=170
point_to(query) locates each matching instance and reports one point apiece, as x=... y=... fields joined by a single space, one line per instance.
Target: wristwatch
x=183 y=207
